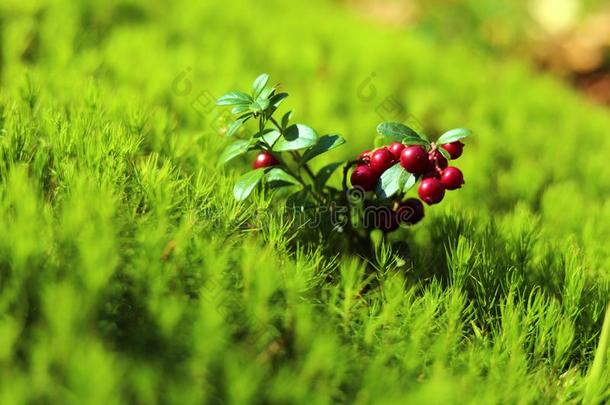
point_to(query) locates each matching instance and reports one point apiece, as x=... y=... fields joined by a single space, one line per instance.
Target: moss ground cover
x=128 y=272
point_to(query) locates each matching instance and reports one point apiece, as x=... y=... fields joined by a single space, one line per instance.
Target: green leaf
x=445 y=154
x=453 y=135
x=295 y=137
x=235 y=125
x=413 y=141
x=324 y=173
x=277 y=174
x=246 y=183
x=423 y=136
x=264 y=103
x=286 y=119
x=267 y=91
x=324 y=144
x=401 y=133
x=233 y=150
x=240 y=108
x=281 y=191
x=277 y=99
x=409 y=183
x=234 y=98
x=392 y=181
x=271 y=136
x=259 y=84
x=259 y=105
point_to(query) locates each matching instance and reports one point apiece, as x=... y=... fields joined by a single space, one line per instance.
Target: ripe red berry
x=366 y=155
x=381 y=160
x=432 y=174
x=455 y=149
x=396 y=148
x=264 y=159
x=437 y=159
x=452 y=178
x=410 y=212
x=365 y=177
x=386 y=220
x=431 y=191
x=414 y=159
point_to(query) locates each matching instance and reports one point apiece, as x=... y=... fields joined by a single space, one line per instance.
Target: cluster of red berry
x=433 y=168
x=391 y=170
x=437 y=176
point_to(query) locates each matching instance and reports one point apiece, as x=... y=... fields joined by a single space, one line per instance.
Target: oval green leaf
x=259 y=84
x=324 y=173
x=454 y=135
x=267 y=91
x=286 y=119
x=324 y=144
x=270 y=137
x=295 y=137
x=259 y=105
x=277 y=99
x=409 y=183
x=240 y=108
x=234 y=98
x=445 y=154
x=235 y=125
x=392 y=181
x=246 y=183
x=400 y=133
x=233 y=150
x=414 y=141
x=277 y=174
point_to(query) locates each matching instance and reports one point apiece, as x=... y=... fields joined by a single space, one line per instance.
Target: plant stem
x=298 y=158
x=279 y=128
x=261 y=128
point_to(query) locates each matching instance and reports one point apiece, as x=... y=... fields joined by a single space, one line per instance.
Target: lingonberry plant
x=380 y=178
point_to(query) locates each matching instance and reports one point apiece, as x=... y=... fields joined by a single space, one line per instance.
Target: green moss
x=128 y=272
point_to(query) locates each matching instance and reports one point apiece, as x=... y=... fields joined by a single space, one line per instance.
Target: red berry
x=386 y=219
x=454 y=148
x=452 y=178
x=365 y=177
x=431 y=191
x=264 y=159
x=366 y=155
x=432 y=174
x=396 y=148
x=380 y=217
x=437 y=159
x=414 y=159
x=410 y=212
x=381 y=160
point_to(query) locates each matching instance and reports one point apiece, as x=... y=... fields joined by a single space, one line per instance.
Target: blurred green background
x=109 y=137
